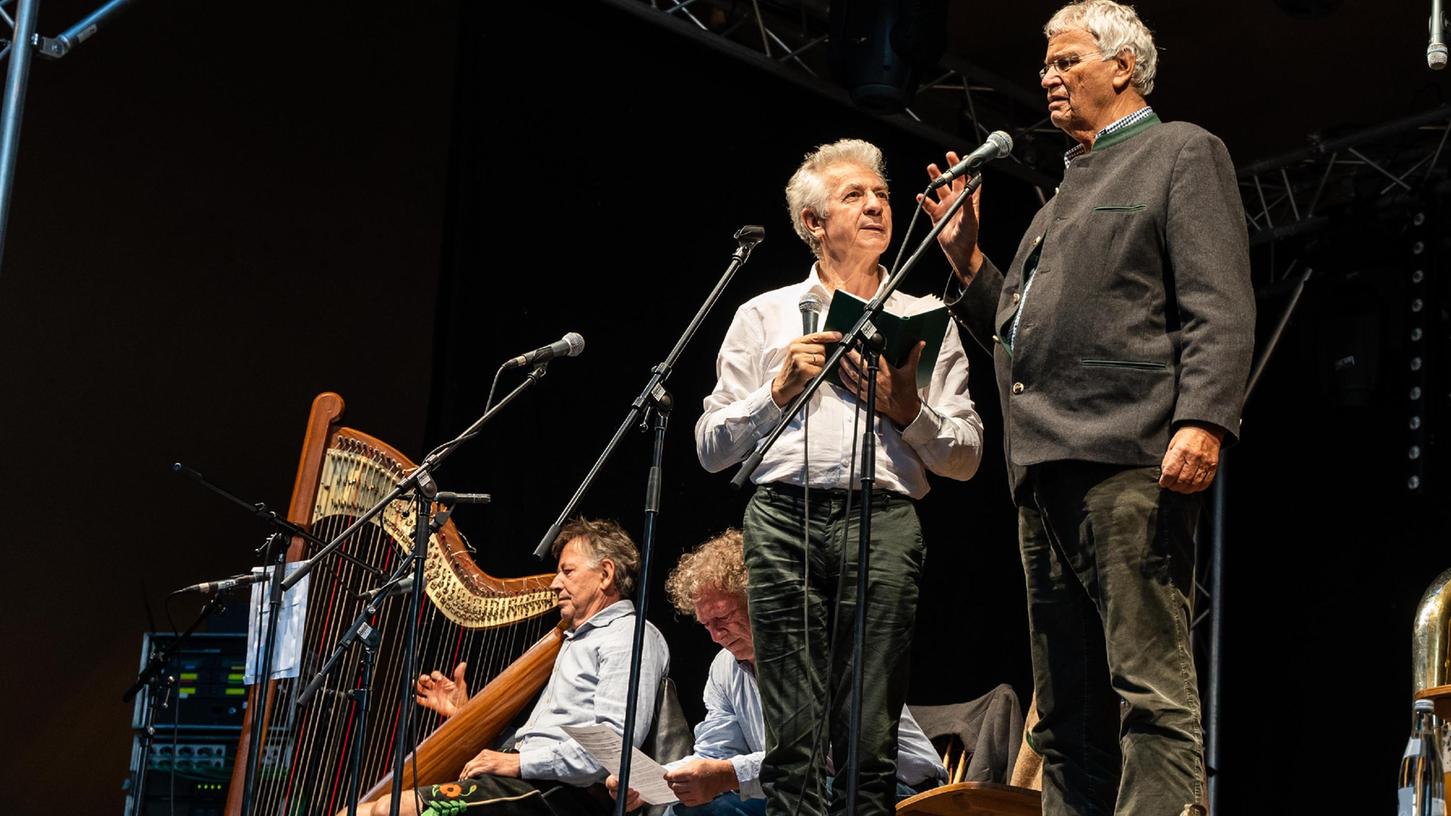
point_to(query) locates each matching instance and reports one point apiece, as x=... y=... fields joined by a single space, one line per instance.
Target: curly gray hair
x=718 y=565
x=1117 y=28
x=807 y=189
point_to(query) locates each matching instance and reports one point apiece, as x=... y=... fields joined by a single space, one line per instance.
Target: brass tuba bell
x=1431 y=640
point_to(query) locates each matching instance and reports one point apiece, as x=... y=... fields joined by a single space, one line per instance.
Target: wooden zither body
x=503 y=628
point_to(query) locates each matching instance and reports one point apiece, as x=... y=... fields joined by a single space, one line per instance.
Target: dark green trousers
x=1109 y=561
x=806 y=686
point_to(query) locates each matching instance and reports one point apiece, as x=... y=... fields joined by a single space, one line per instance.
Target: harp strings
x=305 y=758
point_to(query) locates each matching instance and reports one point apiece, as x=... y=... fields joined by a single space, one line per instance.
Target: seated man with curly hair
x=547 y=773
x=722 y=777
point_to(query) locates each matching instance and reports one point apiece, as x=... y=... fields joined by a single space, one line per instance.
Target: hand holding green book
x=900 y=333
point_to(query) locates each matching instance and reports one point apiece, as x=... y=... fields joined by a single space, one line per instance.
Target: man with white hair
x=800 y=527
x=1122 y=335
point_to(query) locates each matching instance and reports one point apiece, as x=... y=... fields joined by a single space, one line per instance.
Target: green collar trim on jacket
x=1111 y=139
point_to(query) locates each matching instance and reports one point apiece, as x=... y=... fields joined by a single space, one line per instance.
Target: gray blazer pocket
x=1123 y=208
x=1137 y=365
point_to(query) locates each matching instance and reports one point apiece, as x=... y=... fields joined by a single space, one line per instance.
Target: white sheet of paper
x=646 y=775
x=287 y=649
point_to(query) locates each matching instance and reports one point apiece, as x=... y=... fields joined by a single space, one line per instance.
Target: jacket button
x=1038 y=240
x=1017 y=296
x=997 y=339
x=1017 y=388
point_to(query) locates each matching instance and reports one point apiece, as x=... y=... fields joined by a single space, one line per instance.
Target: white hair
x=1117 y=28
x=807 y=188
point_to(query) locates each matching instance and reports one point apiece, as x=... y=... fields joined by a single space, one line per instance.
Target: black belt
x=824 y=495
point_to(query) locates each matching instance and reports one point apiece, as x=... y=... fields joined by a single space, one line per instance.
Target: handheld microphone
x=811 y=304
x=1436 y=51
x=569 y=345
x=997 y=145
x=225 y=584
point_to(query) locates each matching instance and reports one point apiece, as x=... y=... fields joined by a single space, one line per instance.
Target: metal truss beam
x=960 y=104
x=1289 y=195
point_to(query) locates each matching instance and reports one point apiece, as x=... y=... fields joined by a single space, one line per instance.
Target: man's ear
x=814 y=224
x=607 y=571
x=1123 y=72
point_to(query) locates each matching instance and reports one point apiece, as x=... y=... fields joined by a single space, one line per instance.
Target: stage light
x=879 y=50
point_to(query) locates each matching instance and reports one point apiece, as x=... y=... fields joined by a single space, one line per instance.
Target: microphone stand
x=261 y=687
x=150 y=679
x=271 y=550
x=870 y=353
x=262 y=511
x=651 y=408
x=369 y=637
x=865 y=336
x=421 y=483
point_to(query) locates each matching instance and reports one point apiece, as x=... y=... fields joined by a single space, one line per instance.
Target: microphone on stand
x=569 y=345
x=404 y=584
x=449 y=497
x=1436 y=51
x=998 y=145
x=225 y=584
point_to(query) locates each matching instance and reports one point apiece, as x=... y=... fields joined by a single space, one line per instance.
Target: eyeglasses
x=1064 y=64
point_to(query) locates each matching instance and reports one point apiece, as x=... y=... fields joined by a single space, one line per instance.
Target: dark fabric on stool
x=990 y=728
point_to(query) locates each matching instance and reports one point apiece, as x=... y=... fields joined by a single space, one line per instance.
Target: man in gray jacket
x=1122 y=334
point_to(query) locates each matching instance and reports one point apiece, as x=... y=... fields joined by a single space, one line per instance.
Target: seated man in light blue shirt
x=549 y=774
x=722 y=776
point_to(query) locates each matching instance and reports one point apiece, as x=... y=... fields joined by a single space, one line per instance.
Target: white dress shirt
x=945 y=437
x=591 y=675
x=734 y=729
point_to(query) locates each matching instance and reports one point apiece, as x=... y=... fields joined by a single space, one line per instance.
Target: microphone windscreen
x=1003 y=141
x=812 y=303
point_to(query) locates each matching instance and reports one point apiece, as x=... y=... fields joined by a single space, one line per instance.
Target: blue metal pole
x=16 y=78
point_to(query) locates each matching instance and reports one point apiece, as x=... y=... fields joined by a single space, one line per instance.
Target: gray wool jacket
x=1141 y=313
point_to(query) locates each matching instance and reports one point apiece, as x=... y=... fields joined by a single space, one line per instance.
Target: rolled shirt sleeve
x=734 y=728
x=588 y=686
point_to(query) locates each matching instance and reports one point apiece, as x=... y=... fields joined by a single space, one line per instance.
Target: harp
x=502 y=627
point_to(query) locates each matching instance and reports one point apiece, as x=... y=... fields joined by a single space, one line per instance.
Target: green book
x=901 y=332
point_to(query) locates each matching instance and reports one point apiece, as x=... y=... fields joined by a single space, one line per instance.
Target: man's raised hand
x=959 y=238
